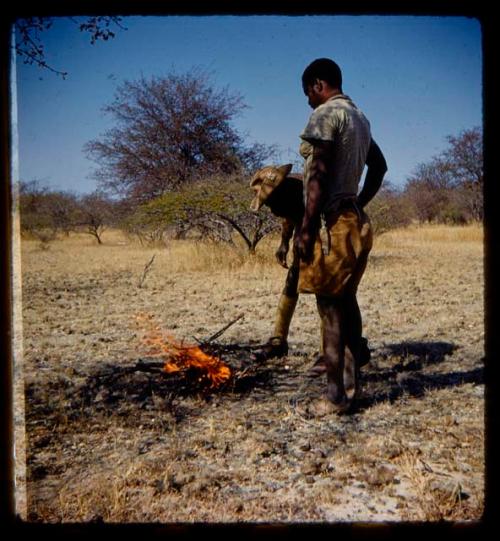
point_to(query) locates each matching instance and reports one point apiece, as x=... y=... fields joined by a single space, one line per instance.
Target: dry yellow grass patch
x=421 y=234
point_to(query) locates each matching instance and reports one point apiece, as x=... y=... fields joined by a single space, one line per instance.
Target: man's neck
x=329 y=94
x=332 y=93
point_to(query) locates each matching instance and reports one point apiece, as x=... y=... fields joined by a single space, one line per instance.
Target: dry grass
x=122 y=252
x=97 y=450
x=422 y=234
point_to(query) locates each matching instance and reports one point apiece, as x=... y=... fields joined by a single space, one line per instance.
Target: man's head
x=321 y=80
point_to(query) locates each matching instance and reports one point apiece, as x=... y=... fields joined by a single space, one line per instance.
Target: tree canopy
x=171 y=131
x=450 y=186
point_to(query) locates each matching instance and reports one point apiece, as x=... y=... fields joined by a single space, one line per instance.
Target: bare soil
x=110 y=437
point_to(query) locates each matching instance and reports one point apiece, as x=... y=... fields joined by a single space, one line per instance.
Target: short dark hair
x=323 y=69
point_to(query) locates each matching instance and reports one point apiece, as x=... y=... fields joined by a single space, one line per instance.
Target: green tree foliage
x=215 y=209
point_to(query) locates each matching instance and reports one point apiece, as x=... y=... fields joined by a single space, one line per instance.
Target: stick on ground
x=219 y=332
x=147 y=268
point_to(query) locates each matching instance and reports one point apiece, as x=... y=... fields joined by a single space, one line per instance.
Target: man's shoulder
x=336 y=106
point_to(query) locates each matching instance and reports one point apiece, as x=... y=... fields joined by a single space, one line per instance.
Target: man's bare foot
x=318 y=368
x=320 y=407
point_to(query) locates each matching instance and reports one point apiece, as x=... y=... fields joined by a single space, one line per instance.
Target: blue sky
x=418 y=79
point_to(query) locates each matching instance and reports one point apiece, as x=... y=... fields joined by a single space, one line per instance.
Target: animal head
x=265 y=181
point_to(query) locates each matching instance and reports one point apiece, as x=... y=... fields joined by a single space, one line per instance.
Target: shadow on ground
x=403 y=369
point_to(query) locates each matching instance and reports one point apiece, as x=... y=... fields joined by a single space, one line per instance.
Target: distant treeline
x=447 y=189
x=173 y=164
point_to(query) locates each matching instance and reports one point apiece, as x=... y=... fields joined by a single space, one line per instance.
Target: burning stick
x=211 y=368
x=179 y=357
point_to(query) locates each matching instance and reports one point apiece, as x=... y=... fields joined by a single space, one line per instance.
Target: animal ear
x=256 y=180
x=285 y=169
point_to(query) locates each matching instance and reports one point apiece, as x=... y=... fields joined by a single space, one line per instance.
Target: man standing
x=336 y=145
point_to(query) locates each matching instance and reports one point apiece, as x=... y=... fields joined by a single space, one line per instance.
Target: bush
x=216 y=209
x=389 y=209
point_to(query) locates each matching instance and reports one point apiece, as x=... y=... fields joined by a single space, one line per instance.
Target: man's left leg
x=352 y=328
x=277 y=345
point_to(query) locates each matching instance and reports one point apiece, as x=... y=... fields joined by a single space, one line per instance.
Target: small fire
x=178 y=356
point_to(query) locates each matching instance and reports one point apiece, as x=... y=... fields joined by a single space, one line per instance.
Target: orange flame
x=178 y=356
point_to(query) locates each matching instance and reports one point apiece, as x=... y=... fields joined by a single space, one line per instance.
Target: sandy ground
x=112 y=438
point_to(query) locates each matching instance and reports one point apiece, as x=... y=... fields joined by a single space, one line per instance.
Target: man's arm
x=318 y=175
x=377 y=168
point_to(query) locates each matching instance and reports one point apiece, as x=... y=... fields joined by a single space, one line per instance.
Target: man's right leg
x=330 y=311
